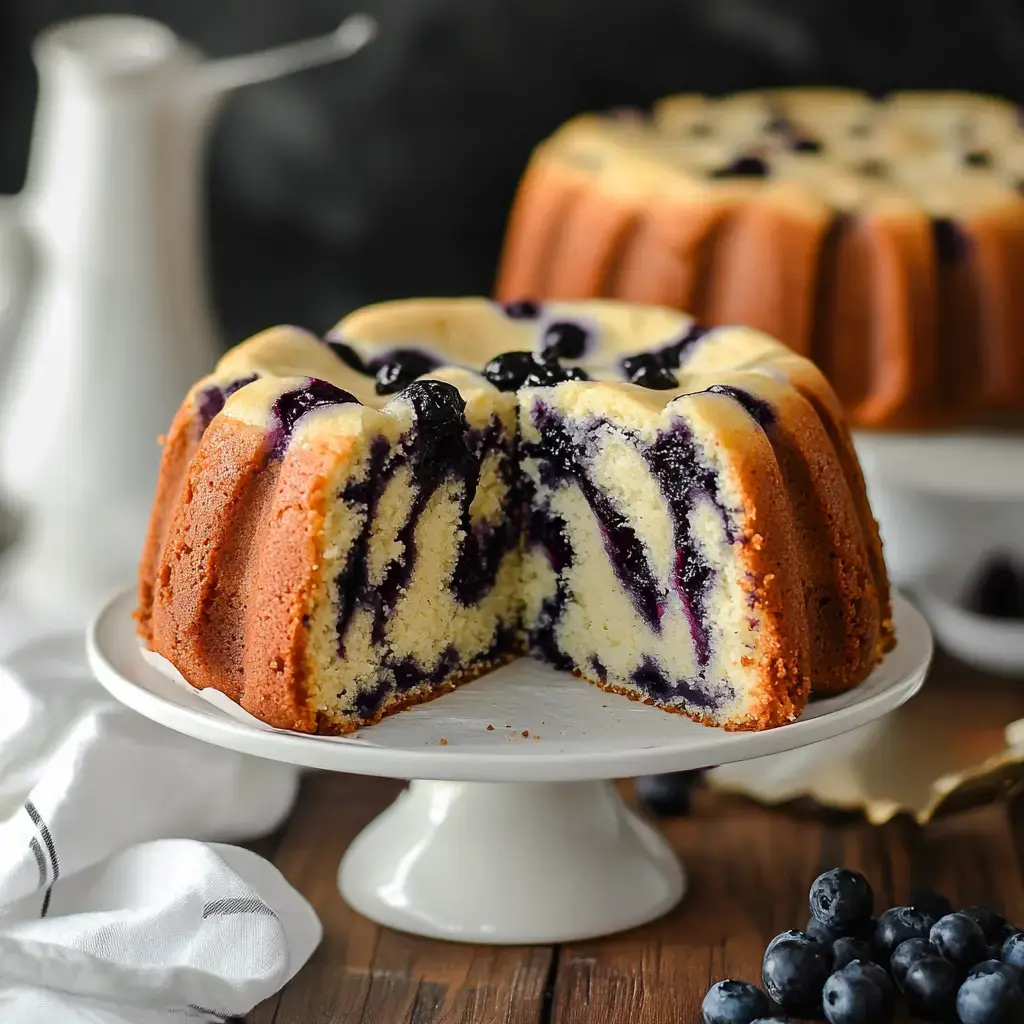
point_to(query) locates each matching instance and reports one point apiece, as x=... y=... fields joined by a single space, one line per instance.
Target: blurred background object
x=393 y=176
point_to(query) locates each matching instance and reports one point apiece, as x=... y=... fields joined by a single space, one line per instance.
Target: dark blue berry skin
x=514 y=370
x=827 y=934
x=841 y=898
x=854 y=995
x=899 y=924
x=992 y=923
x=998 y=593
x=1013 y=950
x=733 y=1002
x=959 y=939
x=931 y=902
x=930 y=988
x=668 y=795
x=878 y=975
x=905 y=954
x=992 y=966
x=793 y=972
x=524 y=309
x=646 y=371
x=847 y=948
x=400 y=369
x=743 y=167
x=564 y=340
x=993 y=997
x=440 y=409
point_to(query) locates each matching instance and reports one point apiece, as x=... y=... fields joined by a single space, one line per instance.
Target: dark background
x=392 y=174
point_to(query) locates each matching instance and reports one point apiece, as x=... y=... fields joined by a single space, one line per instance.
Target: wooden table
x=749 y=871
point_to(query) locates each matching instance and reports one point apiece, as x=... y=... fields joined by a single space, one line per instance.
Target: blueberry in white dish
x=842 y=898
x=733 y=1002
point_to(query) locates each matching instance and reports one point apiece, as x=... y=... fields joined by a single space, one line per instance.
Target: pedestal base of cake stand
x=520 y=839
x=511 y=863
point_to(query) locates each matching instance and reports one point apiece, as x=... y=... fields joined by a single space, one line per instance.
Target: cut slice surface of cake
x=344 y=527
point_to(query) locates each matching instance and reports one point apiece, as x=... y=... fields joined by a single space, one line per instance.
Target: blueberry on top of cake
x=346 y=526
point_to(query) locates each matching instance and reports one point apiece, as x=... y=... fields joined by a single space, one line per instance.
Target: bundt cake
x=882 y=239
x=347 y=526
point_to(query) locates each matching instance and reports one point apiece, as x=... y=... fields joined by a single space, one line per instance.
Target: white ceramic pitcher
x=104 y=317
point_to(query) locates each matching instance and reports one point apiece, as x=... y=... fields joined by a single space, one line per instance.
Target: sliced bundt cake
x=349 y=526
x=884 y=240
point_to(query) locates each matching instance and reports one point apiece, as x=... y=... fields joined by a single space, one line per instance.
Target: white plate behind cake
x=545 y=725
x=531 y=845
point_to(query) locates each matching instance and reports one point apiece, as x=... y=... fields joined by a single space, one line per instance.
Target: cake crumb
x=443 y=742
x=490 y=728
x=526 y=734
x=536 y=736
x=507 y=726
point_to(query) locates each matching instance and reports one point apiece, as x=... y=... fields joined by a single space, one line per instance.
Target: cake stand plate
x=510 y=832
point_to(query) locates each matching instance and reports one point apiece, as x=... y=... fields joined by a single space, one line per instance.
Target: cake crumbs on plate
x=526 y=734
x=490 y=728
x=443 y=742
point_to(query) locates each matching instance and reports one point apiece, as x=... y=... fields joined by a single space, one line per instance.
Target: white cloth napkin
x=117 y=903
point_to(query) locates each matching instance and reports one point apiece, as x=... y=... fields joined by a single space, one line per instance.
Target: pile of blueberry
x=851 y=967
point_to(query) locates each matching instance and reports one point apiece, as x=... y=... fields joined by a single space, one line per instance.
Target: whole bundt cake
x=347 y=526
x=882 y=239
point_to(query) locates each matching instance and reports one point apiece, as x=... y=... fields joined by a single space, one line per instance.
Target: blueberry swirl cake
x=346 y=526
x=882 y=239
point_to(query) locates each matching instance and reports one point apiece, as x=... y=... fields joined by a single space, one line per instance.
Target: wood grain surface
x=749 y=871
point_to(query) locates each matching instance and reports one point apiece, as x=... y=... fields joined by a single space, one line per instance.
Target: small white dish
x=981 y=641
x=508 y=834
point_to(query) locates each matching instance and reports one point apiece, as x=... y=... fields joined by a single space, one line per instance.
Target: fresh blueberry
x=959 y=939
x=930 y=988
x=646 y=371
x=668 y=795
x=993 y=997
x=823 y=933
x=733 y=1002
x=440 y=408
x=991 y=921
x=899 y=924
x=514 y=370
x=978 y=158
x=349 y=356
x=742 y=167
x=992 y=966
x=905 y=954
x=847 y=948
x=1013 y=950
x=564 y=340
x=793 y=972
x=400 y=368
x=858 y=994
x=508 y=372
x=998 y=594
x=841 y=897
x=931 y=902
x=524 y=309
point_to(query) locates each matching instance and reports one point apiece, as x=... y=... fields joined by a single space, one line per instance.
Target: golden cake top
x=625 y=354
x=945 y=153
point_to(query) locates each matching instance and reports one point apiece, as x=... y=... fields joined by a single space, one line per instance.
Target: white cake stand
x=517 y=837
